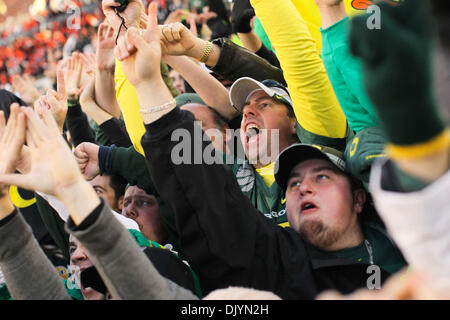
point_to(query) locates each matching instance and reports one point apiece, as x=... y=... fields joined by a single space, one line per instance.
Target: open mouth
x=308 y=207
x=252 y=130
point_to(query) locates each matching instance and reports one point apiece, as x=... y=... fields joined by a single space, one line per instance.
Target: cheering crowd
x=252 y=149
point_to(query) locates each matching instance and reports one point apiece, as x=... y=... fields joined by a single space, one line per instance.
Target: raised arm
x=105 y=93
x=205 y=85
x=411 y=190
x=200 y=195
x=242 y=21
x=344 y=70
x=28 y=272
x=315 y=103
x=419 y=146
x=127 y=272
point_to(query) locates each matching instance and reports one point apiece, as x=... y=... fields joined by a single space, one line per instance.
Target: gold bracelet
x=206 y=52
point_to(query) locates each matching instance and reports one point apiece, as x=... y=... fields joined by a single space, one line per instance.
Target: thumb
x=19 y=180
x=134 y=37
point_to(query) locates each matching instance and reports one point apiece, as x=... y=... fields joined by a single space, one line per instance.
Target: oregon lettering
x=353 y=147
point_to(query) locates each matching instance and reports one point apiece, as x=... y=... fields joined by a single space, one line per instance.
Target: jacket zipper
x=369 y=250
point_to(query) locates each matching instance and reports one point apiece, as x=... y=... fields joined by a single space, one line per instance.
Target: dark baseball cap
x=298 y=153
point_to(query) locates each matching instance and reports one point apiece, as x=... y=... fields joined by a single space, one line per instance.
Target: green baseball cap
x=186 y=98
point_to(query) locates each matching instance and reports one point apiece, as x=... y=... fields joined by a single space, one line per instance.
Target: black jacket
x=226 y=240
x=236 y=62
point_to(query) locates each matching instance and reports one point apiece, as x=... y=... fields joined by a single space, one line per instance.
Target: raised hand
x=90 y=106
x=206 y=15
x=144 y=65
x=388 y=55
x=329 y=3
x=241 y=15
x=12 y=138
x=177 y=15
x=88 y=63
x=53 y=166
x=131 y=14
x=50 y=71
x=53 y=169
x=86 y=155
x=177 y=40
x=54 y=101
x=105 y=48
x=24 y=86
x=332 y=11
x=72 y=76
x=131 y=18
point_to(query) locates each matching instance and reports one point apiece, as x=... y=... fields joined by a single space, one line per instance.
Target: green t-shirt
x=377 y=246
x=4 y=293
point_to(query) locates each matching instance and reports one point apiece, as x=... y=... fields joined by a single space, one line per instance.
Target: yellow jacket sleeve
x=310 y=13
x=315 y=104
x=129 y=106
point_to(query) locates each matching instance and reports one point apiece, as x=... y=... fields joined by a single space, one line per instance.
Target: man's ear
x=359 y=199
x=293 y=126
x=120 y=203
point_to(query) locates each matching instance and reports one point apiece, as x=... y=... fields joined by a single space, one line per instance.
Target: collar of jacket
x=322 y=259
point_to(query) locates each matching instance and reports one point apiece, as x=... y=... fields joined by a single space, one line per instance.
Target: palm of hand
x=12 y=138
x=72 y=82
x=105 y=54
x=10 y=155
x=131 y=16
x=52 y=167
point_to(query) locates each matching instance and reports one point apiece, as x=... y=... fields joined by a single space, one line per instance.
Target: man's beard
x=315 y=232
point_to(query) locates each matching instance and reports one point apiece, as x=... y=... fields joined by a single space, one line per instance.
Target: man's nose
x=131 y=212
x=306 y=187
x=249 y=110
x=79 y=255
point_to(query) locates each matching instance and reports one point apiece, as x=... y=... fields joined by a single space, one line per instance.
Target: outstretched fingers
x=152 y=32
x=61 y=84
x=36 y=131
x=2 y=123
x=12 y=123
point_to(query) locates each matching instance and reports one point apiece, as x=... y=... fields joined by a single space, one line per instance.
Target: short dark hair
x=118 y=184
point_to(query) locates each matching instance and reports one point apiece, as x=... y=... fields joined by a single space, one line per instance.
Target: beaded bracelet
x=170 y=104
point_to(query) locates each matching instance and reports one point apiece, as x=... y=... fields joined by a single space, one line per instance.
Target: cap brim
x=241 y=89
x=292 y=156
x=187 y=98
